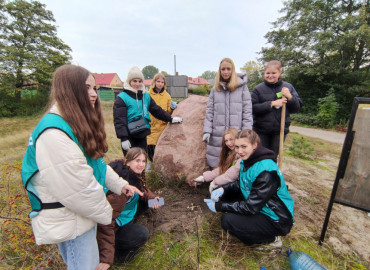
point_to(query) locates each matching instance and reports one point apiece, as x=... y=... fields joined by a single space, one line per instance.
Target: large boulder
x=180 y=152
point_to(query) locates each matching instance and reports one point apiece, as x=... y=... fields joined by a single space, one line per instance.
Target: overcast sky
x=113 y=35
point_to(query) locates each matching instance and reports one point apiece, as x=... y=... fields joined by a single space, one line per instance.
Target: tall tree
x=165 y=73
x=149 y=71
x=323 y=44
x=254 y=71
x=208 y=75
x=29 y=47
x=322 y=31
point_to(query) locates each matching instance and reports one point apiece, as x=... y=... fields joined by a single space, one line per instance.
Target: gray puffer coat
x=226 y=109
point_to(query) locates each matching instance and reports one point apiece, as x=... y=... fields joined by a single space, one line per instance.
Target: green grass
x=209 y=247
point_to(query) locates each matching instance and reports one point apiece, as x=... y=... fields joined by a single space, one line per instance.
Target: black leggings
x=271 y=141
x=129 y=239
x=253 y=229
x=151 y=149
x=136 y=142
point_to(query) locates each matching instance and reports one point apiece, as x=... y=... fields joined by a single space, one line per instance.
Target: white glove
x=126 y=145
x=176 y=120
x=212 y=186
x=206 y=137
x=199 y=179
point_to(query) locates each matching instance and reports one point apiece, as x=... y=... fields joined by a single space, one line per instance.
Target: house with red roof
x=147 y=83
x=196 y=82
x=110 y=80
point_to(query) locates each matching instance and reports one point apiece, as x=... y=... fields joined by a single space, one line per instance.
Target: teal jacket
x=260 y=189
x=135 y=107
x=247 y=178
x=29 y=165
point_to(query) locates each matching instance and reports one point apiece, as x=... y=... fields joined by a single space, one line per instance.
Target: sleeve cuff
x=218 y=206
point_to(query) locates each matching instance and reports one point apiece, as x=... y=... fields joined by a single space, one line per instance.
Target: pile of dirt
x=184 y=207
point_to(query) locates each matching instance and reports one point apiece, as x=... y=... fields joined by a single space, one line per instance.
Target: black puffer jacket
x=120 y=115
x=266 y=119
x=263 y=191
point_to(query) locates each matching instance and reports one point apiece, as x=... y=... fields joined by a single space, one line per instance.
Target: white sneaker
x=277 y=244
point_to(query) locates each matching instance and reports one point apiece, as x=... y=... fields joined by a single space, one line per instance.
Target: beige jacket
x=64 y=176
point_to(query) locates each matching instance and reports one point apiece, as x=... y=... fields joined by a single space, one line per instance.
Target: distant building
x=147 y=83
x=107 y=80
x=109 y=85
x=192 y=82
x=196 y=82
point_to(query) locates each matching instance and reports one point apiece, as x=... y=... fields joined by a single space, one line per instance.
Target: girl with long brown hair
x=122 y=238
x=228 y=166
x=64 y=172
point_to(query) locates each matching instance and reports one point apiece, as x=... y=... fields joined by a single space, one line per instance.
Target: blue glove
x=210 y=204
x=216 y=194
x=173 y=105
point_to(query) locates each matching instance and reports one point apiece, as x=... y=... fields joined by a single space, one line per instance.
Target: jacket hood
x=243 y=79
x=259 y=154
x=127 y=86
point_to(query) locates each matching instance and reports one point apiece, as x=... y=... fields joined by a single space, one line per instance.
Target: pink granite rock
x=180 y=151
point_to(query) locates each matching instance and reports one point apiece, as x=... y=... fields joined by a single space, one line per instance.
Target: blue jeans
x=81 y=252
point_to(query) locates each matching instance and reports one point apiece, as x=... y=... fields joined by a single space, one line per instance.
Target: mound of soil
x=184 y=207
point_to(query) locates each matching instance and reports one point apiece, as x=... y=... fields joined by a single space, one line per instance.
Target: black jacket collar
x=259 y=154
x=274 y=85
x=138 y=96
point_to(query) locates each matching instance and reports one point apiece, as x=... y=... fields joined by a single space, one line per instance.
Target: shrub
x=301 y=148
x=200 y=91
x=30 y=104
x=304 y=119
x=328 y=109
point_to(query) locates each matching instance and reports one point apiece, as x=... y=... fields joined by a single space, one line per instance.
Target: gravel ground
x=331 y=136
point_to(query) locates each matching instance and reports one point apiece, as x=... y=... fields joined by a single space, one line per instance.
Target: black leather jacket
x=263 y=191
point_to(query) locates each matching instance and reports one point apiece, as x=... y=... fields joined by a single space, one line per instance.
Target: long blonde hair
x=227 y=156
x=156 y=77
x=70 y=92
x=233 y=83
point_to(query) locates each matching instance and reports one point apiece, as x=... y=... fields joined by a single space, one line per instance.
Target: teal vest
x=247 y=178
x=135 y=107
x=29 y=165
x=129 y=211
